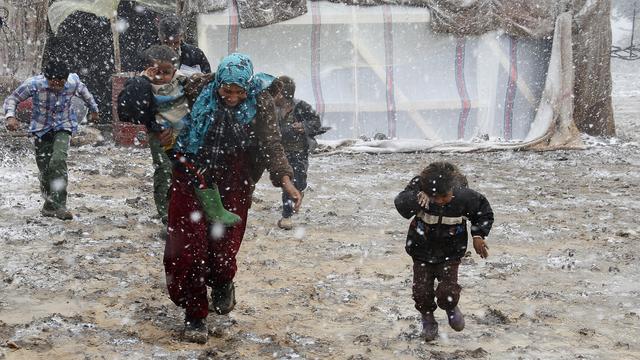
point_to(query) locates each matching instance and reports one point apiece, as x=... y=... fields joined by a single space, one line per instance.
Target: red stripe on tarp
x=465 y=103
x=388 y=65
x=511 y=89
x=315 y=57
x=234 y=28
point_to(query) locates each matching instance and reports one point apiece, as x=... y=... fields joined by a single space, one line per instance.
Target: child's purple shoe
x=429 y=327
x=456 y=319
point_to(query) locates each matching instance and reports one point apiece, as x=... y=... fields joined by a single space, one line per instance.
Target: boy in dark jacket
x=445 y=211
x=299 y=123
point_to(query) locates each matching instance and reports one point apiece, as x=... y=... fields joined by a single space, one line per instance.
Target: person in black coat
x=298 y=124
x=171 y=34
x=444 y=212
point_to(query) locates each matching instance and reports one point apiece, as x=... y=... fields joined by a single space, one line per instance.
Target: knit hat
x=56 y=69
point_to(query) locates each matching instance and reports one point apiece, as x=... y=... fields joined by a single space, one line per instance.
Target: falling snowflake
x=195 y=216
x=217 y=231
x=58 y=184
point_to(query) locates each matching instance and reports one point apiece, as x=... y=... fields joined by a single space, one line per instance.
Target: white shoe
x=285 y=223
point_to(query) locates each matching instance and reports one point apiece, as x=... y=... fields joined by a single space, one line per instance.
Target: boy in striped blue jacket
x=53 y=121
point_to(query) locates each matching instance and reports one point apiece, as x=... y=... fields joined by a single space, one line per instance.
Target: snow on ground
x=562 y=280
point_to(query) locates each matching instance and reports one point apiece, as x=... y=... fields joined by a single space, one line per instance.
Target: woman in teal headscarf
x=232 y=138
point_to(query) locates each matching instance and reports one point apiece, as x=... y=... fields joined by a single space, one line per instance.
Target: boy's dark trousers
x=299 y=161
x=161 y=176
x=52 y=150
x=447 y=292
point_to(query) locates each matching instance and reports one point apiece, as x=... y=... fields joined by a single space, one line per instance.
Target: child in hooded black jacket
x=444 y=212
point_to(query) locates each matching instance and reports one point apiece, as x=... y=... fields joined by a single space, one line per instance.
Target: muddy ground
x=562 y=280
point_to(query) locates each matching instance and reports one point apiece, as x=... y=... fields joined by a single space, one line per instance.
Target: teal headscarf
x=234 y=69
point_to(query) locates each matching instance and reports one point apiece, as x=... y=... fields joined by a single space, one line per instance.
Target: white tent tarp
x=383 y=70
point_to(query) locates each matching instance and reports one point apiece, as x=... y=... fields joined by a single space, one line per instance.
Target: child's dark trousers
x=299 y=161
x=52 y=150
x=447 y=292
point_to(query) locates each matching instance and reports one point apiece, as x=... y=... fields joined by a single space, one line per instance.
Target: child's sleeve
x=194 y=84
x=270 y=140
x=129 y=105
x=480 y=215
x=309 y=118
x=86 y=96
x=136 y=104
x=286 y=130
x=22 y=93
x=204 y=63
x=407 y=201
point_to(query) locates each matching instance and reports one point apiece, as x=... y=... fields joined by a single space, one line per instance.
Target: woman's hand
x=165 y=137
x=291 y=190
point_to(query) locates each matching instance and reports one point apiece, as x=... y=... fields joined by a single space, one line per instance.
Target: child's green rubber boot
x=213 y=209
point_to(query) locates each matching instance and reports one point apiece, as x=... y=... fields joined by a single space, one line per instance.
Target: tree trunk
x=593 y=109
x=22 y=37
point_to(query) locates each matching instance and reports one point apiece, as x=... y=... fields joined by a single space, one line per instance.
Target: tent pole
x=486 y=113
x=354 y=41
x=417 y=118
x=116 y=44
x=504 y=61
x=633 y=28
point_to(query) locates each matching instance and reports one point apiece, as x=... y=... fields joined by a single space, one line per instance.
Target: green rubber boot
x=213 y=209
